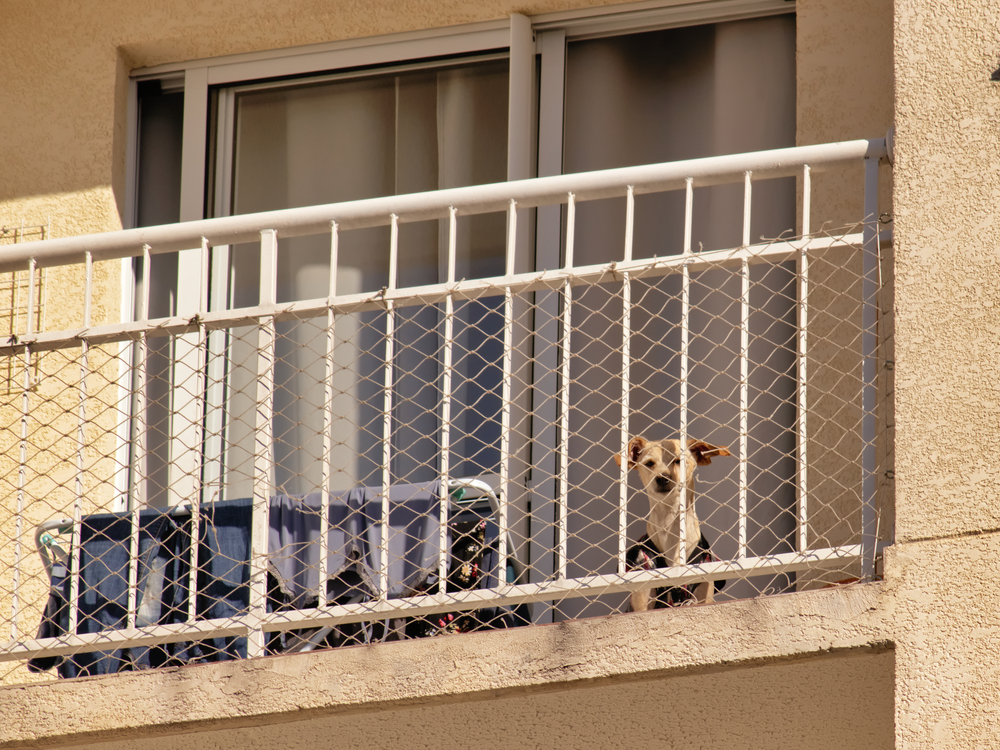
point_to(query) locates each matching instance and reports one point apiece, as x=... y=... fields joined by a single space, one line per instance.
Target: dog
x=664 y=466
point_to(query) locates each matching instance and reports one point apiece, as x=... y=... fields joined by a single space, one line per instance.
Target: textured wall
x=757 y=708
x=803 y=670
x=948 y=339
x=948 y=229
x=946 y=596
x=62 y=82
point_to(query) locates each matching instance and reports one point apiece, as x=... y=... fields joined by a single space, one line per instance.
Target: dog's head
x=664 y=464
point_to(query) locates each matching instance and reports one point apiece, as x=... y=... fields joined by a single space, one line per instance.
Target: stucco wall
x=63 y=151
x=948 y=319
x=948 y=331
x=844 y=54
x=841 y=703
x=802 y=670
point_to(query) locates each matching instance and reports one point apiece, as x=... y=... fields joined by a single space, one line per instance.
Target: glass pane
x=349 y=139
x=158 y=197
x=667 y=96
x=679 y=94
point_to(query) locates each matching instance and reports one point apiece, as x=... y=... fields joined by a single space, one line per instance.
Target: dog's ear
x=703 y=452
x=634 y=449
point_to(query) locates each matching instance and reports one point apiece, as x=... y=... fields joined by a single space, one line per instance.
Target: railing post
x=447 y=363
x=565 y=340
x=506 y=493
x=263 y=470
x=869 y=368
x=328 y=416
x=626 y=378
x=802 y=433
x=744 y=457
x=388 y=401
x=683 y=418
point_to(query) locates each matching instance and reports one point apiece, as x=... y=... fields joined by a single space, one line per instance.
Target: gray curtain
x=347 y=140
x=665 y=96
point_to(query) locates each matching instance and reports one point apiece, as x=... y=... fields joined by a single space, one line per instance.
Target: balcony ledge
x=462 y=668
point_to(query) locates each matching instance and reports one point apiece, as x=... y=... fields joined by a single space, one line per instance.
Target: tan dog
x=663 y=467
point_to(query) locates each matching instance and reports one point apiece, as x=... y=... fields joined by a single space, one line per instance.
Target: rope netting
x=411 y=466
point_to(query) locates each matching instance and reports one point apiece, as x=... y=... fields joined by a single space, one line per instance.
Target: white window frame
x=523 y=36
x=535 y=148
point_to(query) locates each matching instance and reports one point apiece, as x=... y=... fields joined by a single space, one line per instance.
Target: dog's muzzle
x=663 y=484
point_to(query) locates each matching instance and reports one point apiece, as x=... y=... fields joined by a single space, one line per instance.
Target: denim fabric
x=354 y=548
x=354 y=539
x=164 y=565
x=294 y=548
x=103 y=593
x=412 y=534
x=223 y=578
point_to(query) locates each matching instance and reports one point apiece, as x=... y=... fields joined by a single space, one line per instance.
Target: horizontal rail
x=586 y=186
x=112 y=640
x=770 y=252
x=548 y=585
x=419 y=606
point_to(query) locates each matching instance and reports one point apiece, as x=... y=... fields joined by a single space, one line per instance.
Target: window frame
x=536 y=48
x=523 y=37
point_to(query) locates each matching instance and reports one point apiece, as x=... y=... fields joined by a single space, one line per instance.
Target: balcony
x=400 y=458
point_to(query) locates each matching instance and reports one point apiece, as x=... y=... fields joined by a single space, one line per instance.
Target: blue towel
x=354 y=555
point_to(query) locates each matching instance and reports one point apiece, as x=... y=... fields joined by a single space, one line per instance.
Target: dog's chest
x=663 y=528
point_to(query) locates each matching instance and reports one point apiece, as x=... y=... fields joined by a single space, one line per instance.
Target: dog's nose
x=663 y=484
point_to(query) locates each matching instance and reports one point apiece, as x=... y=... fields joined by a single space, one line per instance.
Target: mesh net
x=411 y=466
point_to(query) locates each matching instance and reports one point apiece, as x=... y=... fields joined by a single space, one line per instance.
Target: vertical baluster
x=806 y=200
x=201 y=389
x=138 y=468
x=744 y=366
x=626 y=377
x=390 y=376
x=331 y=341
x=562 y=530
x=508 y=345
x=803 y=341
x=869 y=369
x=263 y=471
x=446 y=396
x=685 y=343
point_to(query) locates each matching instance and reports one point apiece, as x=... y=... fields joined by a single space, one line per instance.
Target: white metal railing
x=629 y=276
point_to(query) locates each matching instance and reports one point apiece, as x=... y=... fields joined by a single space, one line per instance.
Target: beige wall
x=806 y=670
x=948 y=339
x=924 y=63
x=948 y=318
x=836 y=703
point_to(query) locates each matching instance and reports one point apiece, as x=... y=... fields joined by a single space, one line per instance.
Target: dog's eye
x=650 y=463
